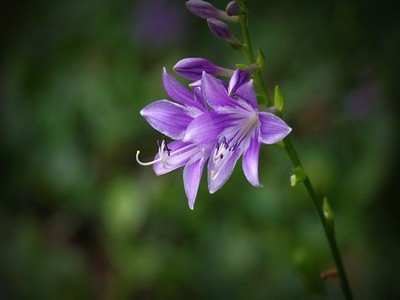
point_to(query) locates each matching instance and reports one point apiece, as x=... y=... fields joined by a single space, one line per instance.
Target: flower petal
x=181 y=153
x=250 y=161
x=208 y=127
x=191 y=178
x=218 y=176
x=177 y=91
x=199 y=98
x=214 y=91
x=167 y=117
x=247 y=93
x=273 y=129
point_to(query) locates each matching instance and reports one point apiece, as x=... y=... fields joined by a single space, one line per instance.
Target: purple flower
x=236 y=127
x=214 y=121
x=172 y=119
x=193 y=68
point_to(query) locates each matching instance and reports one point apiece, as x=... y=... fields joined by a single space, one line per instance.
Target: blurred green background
x=80 y=219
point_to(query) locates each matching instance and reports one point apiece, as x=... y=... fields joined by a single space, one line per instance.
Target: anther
x=165 y=148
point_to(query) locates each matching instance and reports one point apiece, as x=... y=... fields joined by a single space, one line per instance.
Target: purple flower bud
x=220 y=29
x=206 y=10
x=203 y=9
x=192 y=68
x=232 y=9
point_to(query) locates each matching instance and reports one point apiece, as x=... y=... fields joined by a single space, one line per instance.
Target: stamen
x=222 y=153
x=146 y=163
x=166 y=148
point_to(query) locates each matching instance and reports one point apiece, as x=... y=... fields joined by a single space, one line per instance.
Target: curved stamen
x=146 y=163
x=171 y=157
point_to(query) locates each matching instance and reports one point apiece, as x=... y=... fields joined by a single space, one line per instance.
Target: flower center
x=224 y=150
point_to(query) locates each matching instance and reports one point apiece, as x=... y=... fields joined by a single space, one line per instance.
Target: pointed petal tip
x=191 y=205
x=273 y=129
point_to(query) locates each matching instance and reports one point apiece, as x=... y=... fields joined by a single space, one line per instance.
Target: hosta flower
x=237 y=127
x=172 y=119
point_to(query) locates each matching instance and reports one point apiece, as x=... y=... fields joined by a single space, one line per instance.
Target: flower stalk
x=243 y=21
x=327 y=222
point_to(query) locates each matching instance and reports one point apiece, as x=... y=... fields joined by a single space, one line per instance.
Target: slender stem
x=328 y=227
x=250 y=56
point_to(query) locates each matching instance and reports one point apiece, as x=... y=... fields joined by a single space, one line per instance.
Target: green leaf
x=260 y=58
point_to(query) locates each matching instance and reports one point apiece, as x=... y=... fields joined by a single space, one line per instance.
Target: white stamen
x=169 y=157
x=146 y=163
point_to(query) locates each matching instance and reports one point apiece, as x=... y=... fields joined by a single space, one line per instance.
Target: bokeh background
x=80 y=219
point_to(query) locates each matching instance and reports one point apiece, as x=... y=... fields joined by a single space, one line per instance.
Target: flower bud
x=328 y=213
x=278 y=100
x=299 y=176
x=203 y=9
x=220 y=29
x=206 y=10
x=192 y=68
x=232 y=9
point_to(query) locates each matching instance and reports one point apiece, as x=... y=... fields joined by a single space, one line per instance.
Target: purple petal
x=181 y=153
x=214 y=92
x=191 y=178
x=208 y=127
x=167 y=117
x=250 y=162
x=246 y=92
x=218 y=177
x=199 y=98
x=177 y=91
x=273 y=129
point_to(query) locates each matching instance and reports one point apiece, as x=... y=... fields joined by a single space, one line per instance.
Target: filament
x=146 y=163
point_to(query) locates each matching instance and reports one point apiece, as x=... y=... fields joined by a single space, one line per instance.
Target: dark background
x=80 y=219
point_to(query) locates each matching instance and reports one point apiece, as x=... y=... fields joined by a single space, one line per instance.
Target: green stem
x=250 y=56
x=328 y=227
